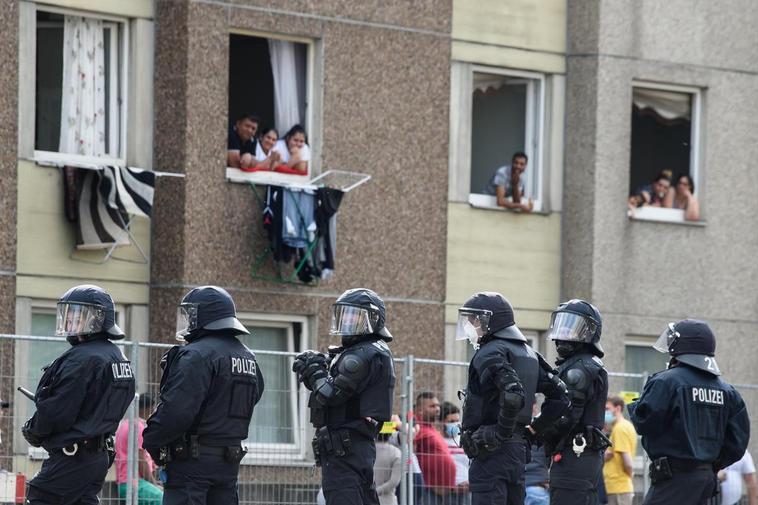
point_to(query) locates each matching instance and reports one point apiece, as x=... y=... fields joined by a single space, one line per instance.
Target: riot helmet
x=691 y=342
x=86 y=312
x=573 y=324
x=208 y=308
x=487 y=314
x=356 y=314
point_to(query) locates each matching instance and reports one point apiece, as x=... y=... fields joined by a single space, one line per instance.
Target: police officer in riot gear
x=503 y=377
x=208 y=391
x=692 y=423
x=576 y=442
x=351 y=397
x=80 y=400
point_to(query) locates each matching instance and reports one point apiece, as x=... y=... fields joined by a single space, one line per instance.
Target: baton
x=26 y=393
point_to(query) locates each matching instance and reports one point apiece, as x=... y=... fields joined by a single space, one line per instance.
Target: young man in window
x=506 y=183
x=241 y=144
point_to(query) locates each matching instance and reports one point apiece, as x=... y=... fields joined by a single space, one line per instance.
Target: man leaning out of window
x=507 y=184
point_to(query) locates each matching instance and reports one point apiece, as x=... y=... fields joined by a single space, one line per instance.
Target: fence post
x=645 y=459
x=409 y=424
x=132 y=459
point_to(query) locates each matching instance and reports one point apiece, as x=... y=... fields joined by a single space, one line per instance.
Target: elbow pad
x=511 y=403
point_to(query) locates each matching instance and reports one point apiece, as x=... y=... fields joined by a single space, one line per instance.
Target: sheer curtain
x=286 y=96
x=83 y=87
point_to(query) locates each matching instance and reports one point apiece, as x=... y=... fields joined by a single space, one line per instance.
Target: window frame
x=264 y=453
x=314 y=165
x=534 y=134
x=696 y=156
x=26 y=308
x=27 y=99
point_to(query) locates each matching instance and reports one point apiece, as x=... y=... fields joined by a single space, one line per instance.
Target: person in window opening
x=681 y=196
x=653 y=194
x=506 y=183
x=266 y=158
x=294 y=151
x=241 y=143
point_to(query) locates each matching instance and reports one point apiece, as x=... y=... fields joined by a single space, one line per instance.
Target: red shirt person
x=434 y=458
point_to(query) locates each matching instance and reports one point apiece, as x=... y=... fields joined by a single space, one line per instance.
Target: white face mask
x=471 y=334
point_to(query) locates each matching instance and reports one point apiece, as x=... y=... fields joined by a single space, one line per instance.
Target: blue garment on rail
x=298 y=223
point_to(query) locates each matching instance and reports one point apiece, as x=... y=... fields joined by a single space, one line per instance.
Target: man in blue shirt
x=506 y=184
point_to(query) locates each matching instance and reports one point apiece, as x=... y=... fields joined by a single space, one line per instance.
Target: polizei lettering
x=122 y=370
x=243 y=366
x=704 y=395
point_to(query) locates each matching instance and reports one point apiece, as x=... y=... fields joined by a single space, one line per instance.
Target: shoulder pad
x=353 y=365
x=576 y=378
x=598 y=361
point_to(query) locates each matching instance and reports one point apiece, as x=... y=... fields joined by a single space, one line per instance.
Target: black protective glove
x=488 y=437
x=29 y=436
x=310 y=366
x=155 y=453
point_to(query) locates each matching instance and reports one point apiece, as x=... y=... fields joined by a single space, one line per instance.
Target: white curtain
x=667 y=104
x=83 y=87
x=284 y=68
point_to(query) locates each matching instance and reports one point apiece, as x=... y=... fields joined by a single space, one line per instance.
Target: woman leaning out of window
x=681 y=197
x=294 y=152
x=265 y=156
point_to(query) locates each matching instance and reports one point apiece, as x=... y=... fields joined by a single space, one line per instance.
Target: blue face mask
x=452 y=430
x=609 y=417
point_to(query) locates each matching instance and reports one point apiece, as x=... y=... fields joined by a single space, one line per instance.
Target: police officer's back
x=351 y=397
x=692 y=423
x=576 y=442
x=208 y=391
x=80 y=400
x=503 y=377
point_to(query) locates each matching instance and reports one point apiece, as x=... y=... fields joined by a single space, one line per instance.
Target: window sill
x=489 y=202
x=235 y=175
x=45 y=158
x=666 y=216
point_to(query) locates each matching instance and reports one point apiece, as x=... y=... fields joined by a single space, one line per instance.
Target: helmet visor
x=570 y=327
x=472 y=324
x=73 y=319
x=186 y=320
x=352 y=320
x=666 y=341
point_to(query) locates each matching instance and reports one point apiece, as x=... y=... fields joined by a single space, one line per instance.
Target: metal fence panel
x=278 y=468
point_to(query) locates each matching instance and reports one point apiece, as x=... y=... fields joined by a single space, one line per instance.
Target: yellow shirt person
x=618 y=470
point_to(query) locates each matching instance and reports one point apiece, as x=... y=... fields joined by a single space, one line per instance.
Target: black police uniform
x=574 y=479
x=692 y=425
x=503 y=377
x=496 y=472
x=344 y=436
x=208 y=391
x=349 y=403
x=80 y=400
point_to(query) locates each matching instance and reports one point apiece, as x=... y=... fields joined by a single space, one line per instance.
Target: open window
x=664 y=152
x=80 y=88
x=507 y=109
x=269 y=89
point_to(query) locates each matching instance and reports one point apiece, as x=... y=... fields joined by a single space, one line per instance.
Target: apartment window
x=275 y=429
x=507 y=108
x=269 y=122
x=664 y=153
x=80 y=88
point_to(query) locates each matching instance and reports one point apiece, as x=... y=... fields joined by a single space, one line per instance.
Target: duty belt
x=93 y=444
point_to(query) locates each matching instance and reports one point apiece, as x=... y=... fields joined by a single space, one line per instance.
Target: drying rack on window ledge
x=341 y=180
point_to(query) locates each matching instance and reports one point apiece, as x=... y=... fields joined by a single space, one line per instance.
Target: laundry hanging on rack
x=301 y=227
